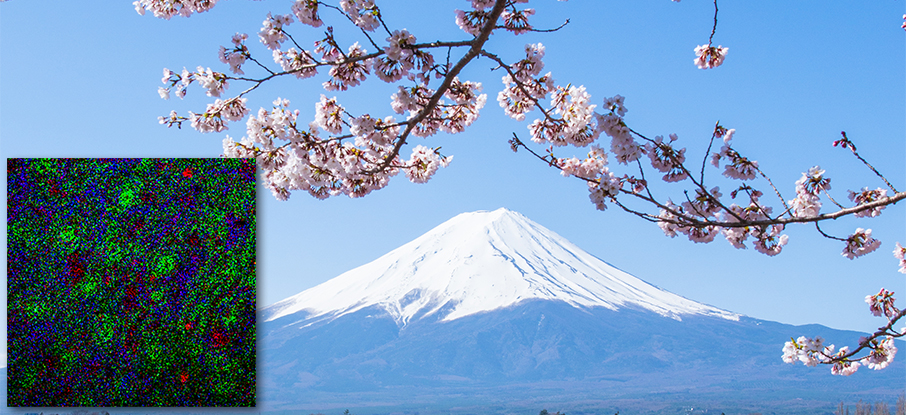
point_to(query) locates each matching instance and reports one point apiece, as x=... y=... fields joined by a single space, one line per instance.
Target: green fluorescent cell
x=127 y=198
x=165 y=265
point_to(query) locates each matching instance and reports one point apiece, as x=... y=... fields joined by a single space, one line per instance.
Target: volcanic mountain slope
x=478 y=262
x=494 y=307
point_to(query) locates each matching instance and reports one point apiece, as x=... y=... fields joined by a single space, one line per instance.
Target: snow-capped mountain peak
x=482 y=261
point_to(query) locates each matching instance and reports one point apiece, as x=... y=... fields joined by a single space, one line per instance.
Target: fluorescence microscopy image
x=131 y=282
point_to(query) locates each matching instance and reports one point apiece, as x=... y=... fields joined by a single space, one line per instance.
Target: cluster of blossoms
x=882 y=353
x=808 y=351
x=881 y=304
x=236 y=56
x=665 y=159
x=707 y=56
x=170 y=8
x=213 y=82
x=860 y=243
x=736 y=166
x=216 y=114
x=472 y=21
x=807 y=202
x=812 y=352
x=325 y=167
x=307 y=12
x=271 y=33
x=363 y=13
x=622 y=145
x=523 y=89
x=573 y=121
x=868 y=196
x=399 y=59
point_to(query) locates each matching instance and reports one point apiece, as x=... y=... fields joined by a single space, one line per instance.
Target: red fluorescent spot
x=184 y=377
x=219 y=339
x=188 y=326
x=187 y=173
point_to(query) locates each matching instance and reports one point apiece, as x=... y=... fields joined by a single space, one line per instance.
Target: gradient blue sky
x=81 y=81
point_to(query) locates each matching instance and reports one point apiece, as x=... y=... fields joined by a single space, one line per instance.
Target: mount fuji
x=491 y=312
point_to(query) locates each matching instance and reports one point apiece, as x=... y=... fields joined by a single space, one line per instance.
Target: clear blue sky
x=79 y=81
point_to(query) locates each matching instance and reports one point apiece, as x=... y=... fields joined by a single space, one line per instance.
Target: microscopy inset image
x=131 y=282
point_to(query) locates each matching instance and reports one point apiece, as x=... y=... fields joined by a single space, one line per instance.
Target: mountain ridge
x=482 y=261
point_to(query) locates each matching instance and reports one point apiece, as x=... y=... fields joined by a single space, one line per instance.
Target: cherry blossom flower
x=328 y=48
x=868 y=196
x=213 y=82
x=363 y=13
x=471 y=21
x=704 y=204
x=515 y=102
x=708 y=56
x=301 y=64
x=533 y=63
x=900 y=253
x=805 y=350
x=307 y=12
x=814 y=181
x=423 y=164
x=237 y=56
x=351 y=72
x=329 y=115
x=516 y=21
x=727 y=135
x=455 y=118
x=406 y=99
x=605 y=188
x=622 y=144
x=737 y=167
x=882 y=304
x=703 y=234
x=841 y=367
x=769 y=241
x=167 y=9
x=615 y=105
x=670 y=218
x=666 y=159
x=399 y=45
x=882 y=354
x=741 y=168
x=212 y=120
x=807 y=202
x=860 y=243
x=590 y=168
x=271 y=33
x=522 y=89
x=233 y=149
x=805 y=205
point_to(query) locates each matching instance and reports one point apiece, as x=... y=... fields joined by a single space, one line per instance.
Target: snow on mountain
x=478 y=262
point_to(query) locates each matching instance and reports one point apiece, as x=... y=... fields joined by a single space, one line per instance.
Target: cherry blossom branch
x=476 y=44
x=845 y=143
x=812 y=352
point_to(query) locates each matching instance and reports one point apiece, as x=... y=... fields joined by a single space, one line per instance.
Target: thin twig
x=713 y=28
